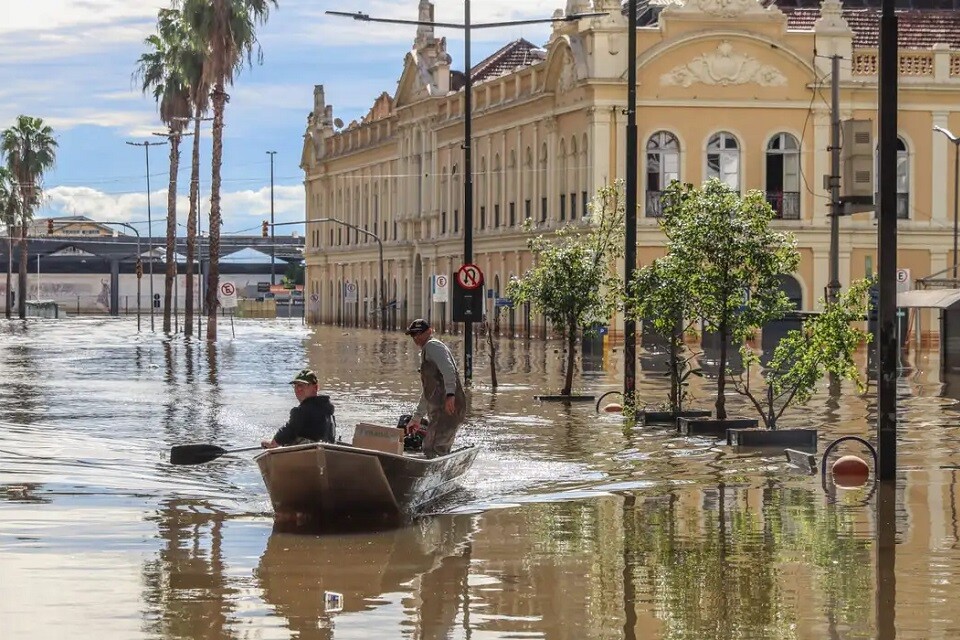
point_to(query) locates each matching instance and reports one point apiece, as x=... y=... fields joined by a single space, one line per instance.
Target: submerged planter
x=570 y=398
x=669 y=417
x=797 y=438
x=713 y=428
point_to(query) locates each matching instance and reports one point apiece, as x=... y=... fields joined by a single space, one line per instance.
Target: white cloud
x=45 y=15
x=242 y=210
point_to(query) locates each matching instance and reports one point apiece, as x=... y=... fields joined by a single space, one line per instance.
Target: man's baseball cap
x=305 y=376
x=417 y=327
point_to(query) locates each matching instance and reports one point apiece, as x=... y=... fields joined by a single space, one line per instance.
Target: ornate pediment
x=724 y=67
x=718 y=8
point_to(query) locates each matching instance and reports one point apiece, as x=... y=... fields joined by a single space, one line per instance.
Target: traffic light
x=266 y=229
x=49 y=226
x=139 y=269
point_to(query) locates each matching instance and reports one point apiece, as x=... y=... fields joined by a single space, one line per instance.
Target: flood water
x=569 y=525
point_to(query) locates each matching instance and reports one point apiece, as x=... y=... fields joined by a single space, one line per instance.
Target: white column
x=939 y=186
x=598 y=136
x=821 y=275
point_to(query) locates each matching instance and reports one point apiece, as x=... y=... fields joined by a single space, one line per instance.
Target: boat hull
x=340 y=480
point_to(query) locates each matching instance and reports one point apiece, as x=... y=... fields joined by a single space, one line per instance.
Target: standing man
x=443 y=400
x=311 y=421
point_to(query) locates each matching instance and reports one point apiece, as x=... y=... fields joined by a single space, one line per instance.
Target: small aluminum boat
x=326 y=480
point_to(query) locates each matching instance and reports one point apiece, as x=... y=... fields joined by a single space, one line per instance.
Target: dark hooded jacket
x=312 y=420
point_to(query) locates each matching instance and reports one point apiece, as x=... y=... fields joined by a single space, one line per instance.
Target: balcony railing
x=786 y=204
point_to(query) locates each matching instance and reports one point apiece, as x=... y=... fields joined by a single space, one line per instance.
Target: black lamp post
x=467 y=27
x=630 y=202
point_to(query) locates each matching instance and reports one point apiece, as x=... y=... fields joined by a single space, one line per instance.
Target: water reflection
x=569 y=526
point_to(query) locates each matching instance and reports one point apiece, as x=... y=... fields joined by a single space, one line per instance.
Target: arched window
x=497 y=190
x=456 y=199
x=444 y=200
x=903 y=179
x=484 y=181
x=783 y=176
x=528 y=184
x=663 y=167
x=723 y=159
x=512 y=188
x=542 y=182
x=562 y=178
x=573 y=179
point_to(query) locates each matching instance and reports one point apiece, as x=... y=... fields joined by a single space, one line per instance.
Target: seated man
x=311 y=421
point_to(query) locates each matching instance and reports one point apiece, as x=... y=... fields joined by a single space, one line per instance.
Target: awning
x=929 y=298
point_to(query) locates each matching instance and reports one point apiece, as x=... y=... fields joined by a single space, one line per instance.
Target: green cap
x=305 y=376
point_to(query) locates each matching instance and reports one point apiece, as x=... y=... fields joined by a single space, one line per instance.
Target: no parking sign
x=228 y=295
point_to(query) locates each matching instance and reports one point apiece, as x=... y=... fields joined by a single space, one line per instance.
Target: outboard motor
x=412 y=441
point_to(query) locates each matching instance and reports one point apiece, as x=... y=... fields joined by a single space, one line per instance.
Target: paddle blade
x=195 y=453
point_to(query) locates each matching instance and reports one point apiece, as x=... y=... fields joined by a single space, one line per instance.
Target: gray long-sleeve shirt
x=438 y=355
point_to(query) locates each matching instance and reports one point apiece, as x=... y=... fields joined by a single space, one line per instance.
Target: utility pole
x=887 y=249
x=146 y=144
x=273 y=238
x=630 y=250
x=833 y=287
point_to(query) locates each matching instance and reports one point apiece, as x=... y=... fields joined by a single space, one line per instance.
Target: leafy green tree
x=826 y=344
x=726 y=251
x=9 y=214
x=574 y=282
x=227 y=33
x=30 y=151
x=659 y=295
x=165 y=70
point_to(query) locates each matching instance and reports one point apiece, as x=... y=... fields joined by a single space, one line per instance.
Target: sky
x=71 y=62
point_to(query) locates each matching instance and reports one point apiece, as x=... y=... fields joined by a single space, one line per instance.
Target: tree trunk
x=22 y=275
x=721 y=404
x=493 y=354
x=7 y=305
x=213 y=279
x=571 y=357
x=171 y=272
x=192 y=228
x=674 y=374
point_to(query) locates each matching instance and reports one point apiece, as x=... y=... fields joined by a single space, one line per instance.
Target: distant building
x=733 y=89
x=71 y=226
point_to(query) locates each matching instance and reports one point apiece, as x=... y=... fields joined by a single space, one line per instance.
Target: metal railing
x=786 y=204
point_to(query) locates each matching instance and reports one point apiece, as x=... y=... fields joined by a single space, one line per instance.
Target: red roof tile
x=519 y=53
x=917 y=28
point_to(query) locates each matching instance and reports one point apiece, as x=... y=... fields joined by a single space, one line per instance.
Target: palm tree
x=164 y=70
x=9 y=210
x=30 y=151
x=228 y=30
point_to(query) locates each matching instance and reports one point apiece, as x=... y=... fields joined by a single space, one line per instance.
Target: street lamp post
x=273 y=239
x=467 y=27
x=146 y=144
x=383 y=307
x=630 y=203
x=956 y=188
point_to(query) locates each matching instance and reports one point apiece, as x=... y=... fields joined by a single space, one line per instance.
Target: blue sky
x=70 y=63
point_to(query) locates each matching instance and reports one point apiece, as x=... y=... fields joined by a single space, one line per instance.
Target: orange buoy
x=850 y=472
x=613 y=407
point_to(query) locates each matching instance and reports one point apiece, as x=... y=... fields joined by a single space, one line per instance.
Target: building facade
x=733 y=89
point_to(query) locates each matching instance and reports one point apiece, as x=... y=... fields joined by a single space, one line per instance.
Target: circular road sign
x=903 y=275
x=351 y=287
x=314 y=297
x=469 y=276
x=227 y=289
x=441 y=282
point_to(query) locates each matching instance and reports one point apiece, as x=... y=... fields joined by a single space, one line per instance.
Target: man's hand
x=412 y=426
x=269 y=444
x=450 y=405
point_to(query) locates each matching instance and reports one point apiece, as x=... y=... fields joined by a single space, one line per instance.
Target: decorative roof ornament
x=719 y=8
x=425 y=35
x=724 y=67
x=831 y=18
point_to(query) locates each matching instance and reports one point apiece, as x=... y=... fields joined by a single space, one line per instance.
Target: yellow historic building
x=733 y=89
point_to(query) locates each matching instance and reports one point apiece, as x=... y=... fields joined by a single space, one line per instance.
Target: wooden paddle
x=200 y=453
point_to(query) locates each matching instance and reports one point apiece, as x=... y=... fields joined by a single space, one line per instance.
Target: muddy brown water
x=569 y=525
